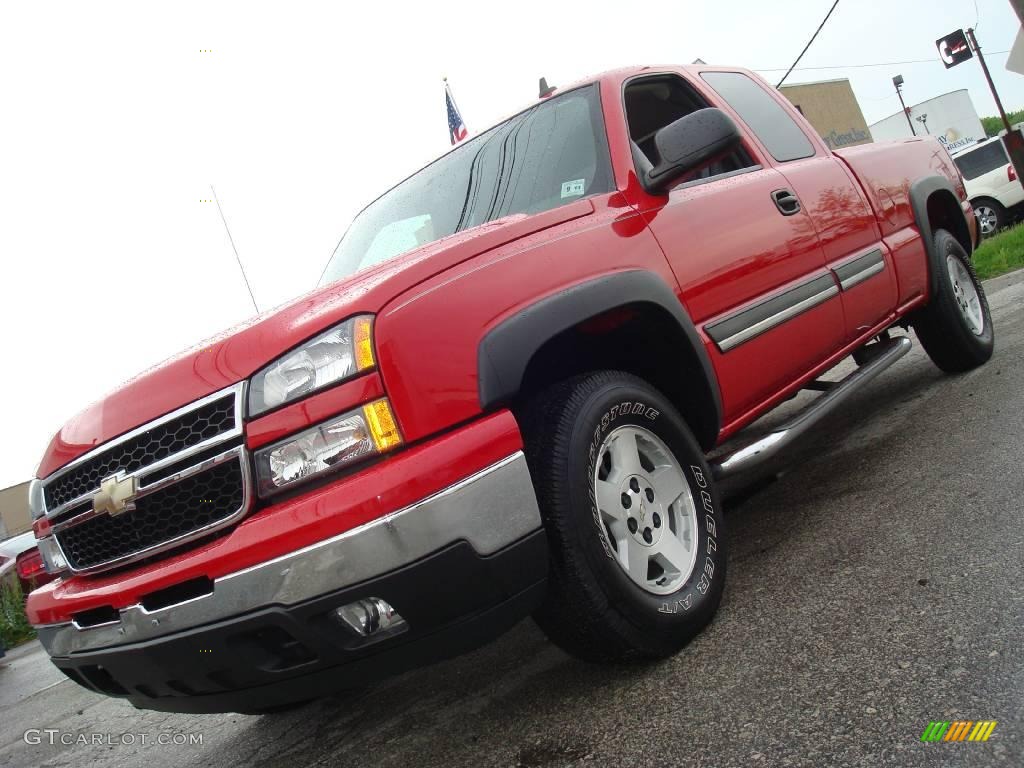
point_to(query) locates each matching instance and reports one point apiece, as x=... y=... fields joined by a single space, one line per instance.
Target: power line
x=858 y=66
x=233 y=248
x=827 y=15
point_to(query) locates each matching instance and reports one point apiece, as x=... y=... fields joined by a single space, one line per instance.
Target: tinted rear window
x=779 y=133
x=980 y=161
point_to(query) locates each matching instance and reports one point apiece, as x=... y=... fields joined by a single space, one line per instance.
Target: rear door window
x=983 y=160
x=779 y=133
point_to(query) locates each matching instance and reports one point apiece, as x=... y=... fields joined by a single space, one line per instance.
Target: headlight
x=345 y=439
x=329 y=358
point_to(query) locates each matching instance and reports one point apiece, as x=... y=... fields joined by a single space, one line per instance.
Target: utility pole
x=898 y=82
x=988 y=77
x=1013 y=140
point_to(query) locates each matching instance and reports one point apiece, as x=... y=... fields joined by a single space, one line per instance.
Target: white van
x=992 y=185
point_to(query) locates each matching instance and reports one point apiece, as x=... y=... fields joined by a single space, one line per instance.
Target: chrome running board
x=880 y=356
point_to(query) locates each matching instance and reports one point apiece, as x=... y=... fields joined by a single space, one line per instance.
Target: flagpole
x=455 y=104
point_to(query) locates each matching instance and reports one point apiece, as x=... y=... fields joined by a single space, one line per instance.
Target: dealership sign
x=953 y=48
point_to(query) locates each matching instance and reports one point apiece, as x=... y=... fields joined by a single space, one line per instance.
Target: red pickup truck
x=500 y=400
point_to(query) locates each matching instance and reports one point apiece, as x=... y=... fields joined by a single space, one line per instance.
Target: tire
x=991 y=214
x=593 y=608
x=949 y=326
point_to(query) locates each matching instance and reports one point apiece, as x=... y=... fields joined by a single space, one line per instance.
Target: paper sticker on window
x=572 y=188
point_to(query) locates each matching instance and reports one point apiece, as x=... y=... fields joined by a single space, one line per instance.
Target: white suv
x=991 y=182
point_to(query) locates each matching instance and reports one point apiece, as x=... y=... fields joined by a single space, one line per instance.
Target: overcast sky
x=116 y=121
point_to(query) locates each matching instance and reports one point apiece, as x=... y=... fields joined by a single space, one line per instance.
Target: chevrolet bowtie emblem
x=117 y=495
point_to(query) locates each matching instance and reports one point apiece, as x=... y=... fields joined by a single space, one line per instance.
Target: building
x=832 y=109
x=15 y=516
x=951 y=118
x=1015 y=61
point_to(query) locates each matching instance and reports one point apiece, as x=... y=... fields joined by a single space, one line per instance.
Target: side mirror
x=689 y=143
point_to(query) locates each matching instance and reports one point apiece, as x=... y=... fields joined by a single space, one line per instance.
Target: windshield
x=547 y=156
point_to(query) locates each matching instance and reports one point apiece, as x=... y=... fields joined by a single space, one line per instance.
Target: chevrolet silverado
x=500 y=400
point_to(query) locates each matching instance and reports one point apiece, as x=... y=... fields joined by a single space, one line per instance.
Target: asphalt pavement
x=874 y=586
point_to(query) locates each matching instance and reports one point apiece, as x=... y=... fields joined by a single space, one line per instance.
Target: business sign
x=953 y=140
x=953 y=48
x=839 y=139
x=952 y=119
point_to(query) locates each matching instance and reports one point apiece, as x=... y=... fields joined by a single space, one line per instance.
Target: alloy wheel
x=648 y=515
x=966 y=295
x=987 y=219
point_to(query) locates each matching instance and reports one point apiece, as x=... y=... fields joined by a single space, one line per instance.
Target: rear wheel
x=634 y=522
x=955 y=328
x=991 y=215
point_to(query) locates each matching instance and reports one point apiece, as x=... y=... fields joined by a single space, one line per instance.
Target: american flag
x=456 y=128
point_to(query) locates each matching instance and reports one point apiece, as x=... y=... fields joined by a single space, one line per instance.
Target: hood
x=237 y=353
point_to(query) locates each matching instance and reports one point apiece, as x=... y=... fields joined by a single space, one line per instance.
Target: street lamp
x=898 y=82
x=923 y=120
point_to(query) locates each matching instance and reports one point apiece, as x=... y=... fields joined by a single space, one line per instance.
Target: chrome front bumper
x=490 y=510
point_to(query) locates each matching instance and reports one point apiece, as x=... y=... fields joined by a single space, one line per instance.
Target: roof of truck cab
x=617 y=75
x=624 y=73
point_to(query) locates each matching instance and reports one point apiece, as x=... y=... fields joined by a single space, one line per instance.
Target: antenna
x=545 y=89
x=233 y=248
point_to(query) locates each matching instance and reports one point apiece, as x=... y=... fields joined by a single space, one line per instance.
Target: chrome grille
x=178 y=510
x=189 y=475
x=157 y=442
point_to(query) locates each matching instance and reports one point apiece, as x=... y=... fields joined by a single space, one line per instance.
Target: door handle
x=786 y=202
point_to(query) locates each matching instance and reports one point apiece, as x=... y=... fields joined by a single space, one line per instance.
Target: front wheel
x=955 y=328
x=633 y=519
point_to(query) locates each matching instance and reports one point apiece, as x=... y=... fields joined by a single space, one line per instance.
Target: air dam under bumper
x=460 y=567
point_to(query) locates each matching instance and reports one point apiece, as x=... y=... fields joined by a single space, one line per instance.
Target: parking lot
x=873 y=587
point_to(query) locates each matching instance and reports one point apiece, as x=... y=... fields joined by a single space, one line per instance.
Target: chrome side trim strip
x=489 y=509
x=737 y=328
x=860 y=268
x=860 y=277
x=777 y=319
x=236 y=389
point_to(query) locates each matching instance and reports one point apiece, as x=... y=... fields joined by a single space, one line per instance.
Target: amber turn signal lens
x=383 y=427
x=351 y=437
x=362 y=343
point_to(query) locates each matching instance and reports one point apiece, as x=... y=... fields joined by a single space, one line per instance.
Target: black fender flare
x=920 y=191
x=505 y=351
